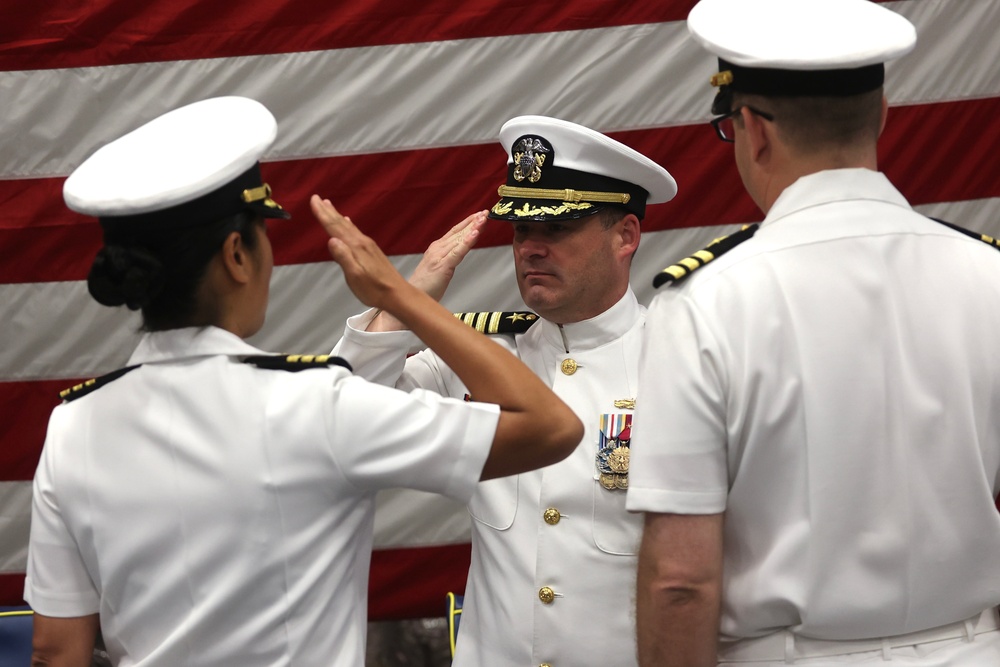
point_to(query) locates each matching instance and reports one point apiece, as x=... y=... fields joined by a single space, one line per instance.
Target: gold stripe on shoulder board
x=84 y=388
x=499 y=322
x=294 y=362
x=717 y=248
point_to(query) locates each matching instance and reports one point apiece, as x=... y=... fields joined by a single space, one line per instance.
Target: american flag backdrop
x=391 y=109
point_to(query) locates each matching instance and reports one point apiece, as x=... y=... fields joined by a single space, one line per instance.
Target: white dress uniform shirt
x=215 y=513
x=833 y=385
x=553 y=551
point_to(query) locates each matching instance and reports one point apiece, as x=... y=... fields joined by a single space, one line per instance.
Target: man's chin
x=539 y=299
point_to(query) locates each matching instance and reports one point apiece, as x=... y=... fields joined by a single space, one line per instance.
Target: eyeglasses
x=724 y=124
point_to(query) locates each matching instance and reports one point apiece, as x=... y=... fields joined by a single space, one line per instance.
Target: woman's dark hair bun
x=129 y=276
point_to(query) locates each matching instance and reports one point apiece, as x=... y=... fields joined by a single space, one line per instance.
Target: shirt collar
x=188 y=343
x=610 y=325
x=834 y=185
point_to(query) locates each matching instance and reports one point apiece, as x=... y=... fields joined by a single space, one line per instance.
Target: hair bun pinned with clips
x=125 y=276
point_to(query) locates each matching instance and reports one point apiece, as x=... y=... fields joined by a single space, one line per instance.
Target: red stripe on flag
x=943 y=152
x=23 y=436
x=413 y=582
x=405 y=200
x=64 y=33
x=12 y=589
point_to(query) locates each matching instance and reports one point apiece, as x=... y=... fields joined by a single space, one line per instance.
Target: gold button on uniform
x=569 y=366
x=552 y=516
x=545 y=664
x=546 y=595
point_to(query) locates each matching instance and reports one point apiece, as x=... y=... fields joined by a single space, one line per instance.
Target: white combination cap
x=800 y=47
x=557 y=170
x=192 y=165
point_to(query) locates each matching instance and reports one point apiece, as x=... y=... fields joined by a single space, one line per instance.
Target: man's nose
x=532 y=245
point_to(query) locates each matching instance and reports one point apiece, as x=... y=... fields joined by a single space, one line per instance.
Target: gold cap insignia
x=261 y=194
x=723 y=78
x=529 y=157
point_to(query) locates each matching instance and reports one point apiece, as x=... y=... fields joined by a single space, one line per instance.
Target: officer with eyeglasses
x=817 y=442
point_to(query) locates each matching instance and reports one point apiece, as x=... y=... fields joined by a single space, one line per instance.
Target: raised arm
x=535 y=429
x=437 y=266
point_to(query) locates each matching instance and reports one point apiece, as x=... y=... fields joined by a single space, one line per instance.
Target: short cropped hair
x=611 y=216
x=815 y=124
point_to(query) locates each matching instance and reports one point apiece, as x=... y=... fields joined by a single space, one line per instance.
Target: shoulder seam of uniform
x=985 y=238
x=499 y=322
x=675 y=273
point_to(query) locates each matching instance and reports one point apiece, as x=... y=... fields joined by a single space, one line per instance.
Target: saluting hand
x=442 y=257
x=368 y=272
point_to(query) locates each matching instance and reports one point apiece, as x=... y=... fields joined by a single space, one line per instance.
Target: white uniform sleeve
x=678 y=459
x=382 y=357
x=57 y=582
x=383 y=437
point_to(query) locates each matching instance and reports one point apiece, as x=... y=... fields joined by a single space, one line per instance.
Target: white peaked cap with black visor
x=558 y=170
x=194 y=165
x=798 y=47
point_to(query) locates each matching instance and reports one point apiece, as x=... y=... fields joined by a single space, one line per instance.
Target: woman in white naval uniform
x=554 y=551
x=205 y=505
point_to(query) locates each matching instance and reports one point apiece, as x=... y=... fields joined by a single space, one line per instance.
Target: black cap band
x=798 y=83
x=560 y=178
x=219 y=203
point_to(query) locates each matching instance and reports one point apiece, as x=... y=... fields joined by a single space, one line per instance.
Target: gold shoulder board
x=295 y=362
x=499 y=322
x=674 y=273
x=90 y=386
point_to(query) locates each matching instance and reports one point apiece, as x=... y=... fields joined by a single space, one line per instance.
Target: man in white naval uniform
x=818 y=448
x=553 y=553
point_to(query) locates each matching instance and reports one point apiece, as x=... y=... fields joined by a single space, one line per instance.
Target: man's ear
x=758 y=134
x=630 y=234
x=235 y=258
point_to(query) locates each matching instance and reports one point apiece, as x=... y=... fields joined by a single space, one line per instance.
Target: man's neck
x=589 y=311
x=793 y=169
